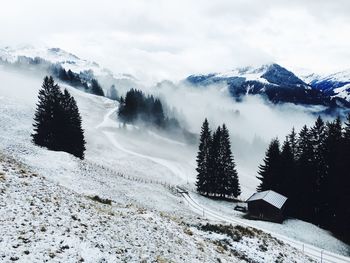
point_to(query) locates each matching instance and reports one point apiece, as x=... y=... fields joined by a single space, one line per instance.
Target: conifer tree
x=305 y=169
x=292 y=138
x=203 y=159
x=231 y=185
x=341 y=223
x=57 y=122
x=317 y=133
x=331 y=178
x=75 y=142
x=157 y=113
x=270 y=170
x=46 y=117
x=286 y=179
x=96 y=88
x=214 y=162
x=113 y=93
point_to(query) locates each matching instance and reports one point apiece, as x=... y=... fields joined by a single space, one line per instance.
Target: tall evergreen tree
x=286 y=179
x=293 y=141
x=203 y=159
x=341 y=224
x=113 y=93
x=96 y=88
x=304 y=174
x=214 y=162
x=231 y=186
x=157 y=113
x=57 y=122
x=317 y=133
x=47 y=115
x=75 y=142
x=270 y=170
x=333 y=145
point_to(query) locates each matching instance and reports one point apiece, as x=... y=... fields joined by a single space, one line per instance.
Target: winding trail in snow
x=170 y=165
x=316 y=253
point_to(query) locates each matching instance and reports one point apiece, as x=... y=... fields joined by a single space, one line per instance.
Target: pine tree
x=75 y=142
x=46 y=117
x=96 y=88
x=341 y=225
x=230 y=183
x=113 y=93
x=157 y=113
x=333 y=145
x=305 y=178
x=270 y=170
x=214 y=162
x=203 y=159
x=286 y=179
x=317 y=133
x=292 y=137
x=57 y=122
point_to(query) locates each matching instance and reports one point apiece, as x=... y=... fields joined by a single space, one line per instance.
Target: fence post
x=321 y=256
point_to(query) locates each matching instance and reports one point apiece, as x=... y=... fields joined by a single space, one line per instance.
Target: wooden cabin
x=267 y=205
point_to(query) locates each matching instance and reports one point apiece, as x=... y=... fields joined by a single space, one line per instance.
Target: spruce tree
x=331 y=179
x=47 y=115
x=317 y=133
x=286 y=179
x=270 y=170
x=57 y=122
x=230 y=183
x=96 y=88
x=157 y=113
x=292 y=138
x=203 y=159
x=341 y=225
x=113 y=93
x=214 y=162
x=75 y=142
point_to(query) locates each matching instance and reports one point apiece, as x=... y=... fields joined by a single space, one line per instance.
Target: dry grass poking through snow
x=44 y=222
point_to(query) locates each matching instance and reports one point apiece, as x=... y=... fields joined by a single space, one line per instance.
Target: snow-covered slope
x=335 y=85
x=71 y=62
x=51 y=217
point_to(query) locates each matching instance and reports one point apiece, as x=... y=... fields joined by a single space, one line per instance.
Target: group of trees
x=136 y=106
x=85 y=79
x=57 y=122
x=75 y=80
x=217 y=175
x=312 y=169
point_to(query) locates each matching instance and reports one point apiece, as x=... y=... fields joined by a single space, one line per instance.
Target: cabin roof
x=270 y=197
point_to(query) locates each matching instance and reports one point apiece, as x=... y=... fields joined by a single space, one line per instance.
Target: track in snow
x=312 y=251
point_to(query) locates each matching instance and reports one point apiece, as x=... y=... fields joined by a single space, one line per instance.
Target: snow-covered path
x=172 y=166
x=312 y=251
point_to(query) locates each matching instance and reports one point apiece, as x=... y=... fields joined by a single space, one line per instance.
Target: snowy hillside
x=71 y=62
x=151 y=223
x=118 y=160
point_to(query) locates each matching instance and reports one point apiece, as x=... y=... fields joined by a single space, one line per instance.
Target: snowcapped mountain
x=336 y=85
x=56 y=56
x=271 y=81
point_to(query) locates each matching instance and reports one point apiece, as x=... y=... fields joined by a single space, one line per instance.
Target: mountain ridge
x=272 y=81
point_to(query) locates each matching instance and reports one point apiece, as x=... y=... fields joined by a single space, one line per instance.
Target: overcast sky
x=154 y=40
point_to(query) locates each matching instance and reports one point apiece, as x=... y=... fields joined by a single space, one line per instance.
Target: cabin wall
x=259 y=209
